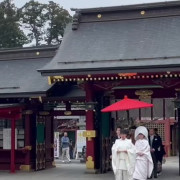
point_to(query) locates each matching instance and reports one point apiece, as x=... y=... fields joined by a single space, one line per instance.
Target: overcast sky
x=67 y=4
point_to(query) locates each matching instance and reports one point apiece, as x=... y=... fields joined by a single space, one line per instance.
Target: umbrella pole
x=128 y=116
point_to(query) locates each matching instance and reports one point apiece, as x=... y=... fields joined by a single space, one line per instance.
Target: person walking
x=117 y=136
x=155 y=147
x=131 y=133
x=160 y=154
x=144 y=162
x=65 y=143
x=123 y=157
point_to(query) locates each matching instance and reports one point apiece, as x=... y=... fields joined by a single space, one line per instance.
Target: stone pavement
x=170 y=169
x=76 y=171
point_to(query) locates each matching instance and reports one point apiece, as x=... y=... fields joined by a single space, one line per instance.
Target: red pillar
x=90 y=145
x=13 y=145
x=27 y=138
x=167 y=136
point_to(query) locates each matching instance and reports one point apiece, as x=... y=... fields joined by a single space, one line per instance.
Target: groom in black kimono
x=155 y=143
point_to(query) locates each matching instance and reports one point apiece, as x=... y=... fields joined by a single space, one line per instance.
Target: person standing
x=155 y=147
x=131 y=134
x=118 y=133
x=123 y=157
x=144 y=162
x=65 y=143
x=161 y=152
x=71 y=149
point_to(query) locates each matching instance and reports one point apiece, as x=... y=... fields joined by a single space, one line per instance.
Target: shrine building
x=26 y=130
x=128 y=50
x=106 y=53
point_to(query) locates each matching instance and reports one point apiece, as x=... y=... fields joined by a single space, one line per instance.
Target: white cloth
x=144 y=163
x=123 y=161
x=141 y=129
x=121 y=175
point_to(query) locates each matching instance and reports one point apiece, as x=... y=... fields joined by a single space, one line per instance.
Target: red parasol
x=126 y=104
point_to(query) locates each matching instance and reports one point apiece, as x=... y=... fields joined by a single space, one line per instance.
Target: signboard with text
x=81 y=141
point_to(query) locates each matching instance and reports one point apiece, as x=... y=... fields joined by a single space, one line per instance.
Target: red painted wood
x=90 y=126
x=27 y=138
x=90 y=145
x=167 y=136
x=12 y=146
x=8 y=157
x=10 y=113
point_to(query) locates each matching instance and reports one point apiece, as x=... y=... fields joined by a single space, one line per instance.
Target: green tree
x=33 y=17
x=10 y=33
x=57 y=18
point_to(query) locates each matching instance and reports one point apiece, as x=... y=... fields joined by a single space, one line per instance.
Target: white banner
x=56 y=144
x=7 y=138
x=81 y=141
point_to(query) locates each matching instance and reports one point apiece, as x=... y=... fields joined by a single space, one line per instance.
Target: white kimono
x=123 y=163
x=144 y=163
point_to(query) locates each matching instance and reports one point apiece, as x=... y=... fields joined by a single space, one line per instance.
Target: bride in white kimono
x=123 y=157
x=144 y=163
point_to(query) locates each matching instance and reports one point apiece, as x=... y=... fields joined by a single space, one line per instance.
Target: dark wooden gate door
x=105 y=143
x=40 y=143
x=49 y=132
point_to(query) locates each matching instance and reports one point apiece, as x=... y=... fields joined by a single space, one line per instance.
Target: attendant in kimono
x=123 y=157
x=144 y=162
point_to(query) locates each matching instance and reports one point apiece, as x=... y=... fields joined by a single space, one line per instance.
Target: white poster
x=81 y=141
x=7 y=138
x=56 y=144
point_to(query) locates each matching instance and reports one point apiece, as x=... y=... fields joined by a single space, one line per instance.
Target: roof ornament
x=76 y=20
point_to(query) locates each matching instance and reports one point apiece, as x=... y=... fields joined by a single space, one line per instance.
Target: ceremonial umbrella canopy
x=125 y=105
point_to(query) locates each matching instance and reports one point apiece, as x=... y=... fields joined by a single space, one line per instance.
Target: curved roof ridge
x=128 y=7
